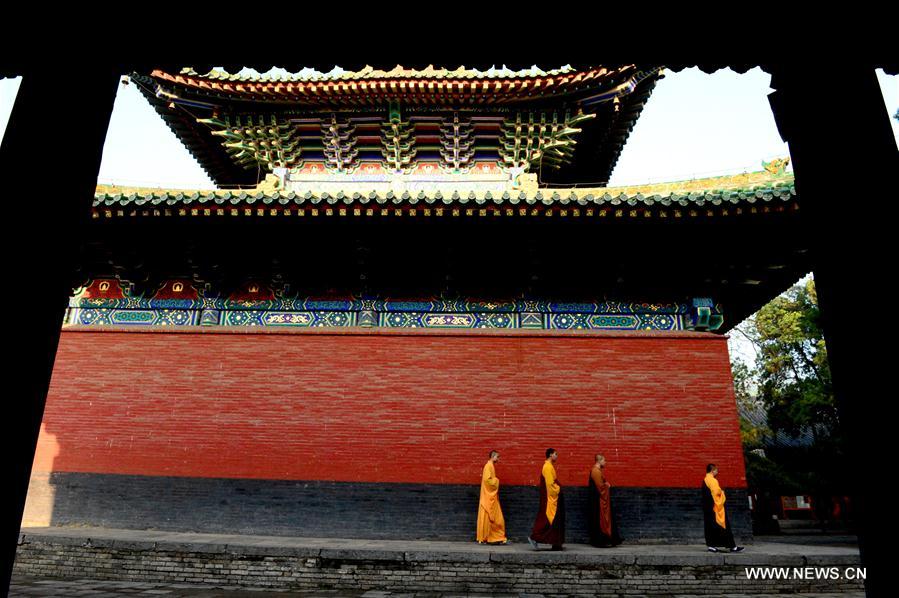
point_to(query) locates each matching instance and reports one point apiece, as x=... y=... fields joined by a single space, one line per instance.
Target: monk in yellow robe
x=717 y=526
x=491 y=525
x=549 y=527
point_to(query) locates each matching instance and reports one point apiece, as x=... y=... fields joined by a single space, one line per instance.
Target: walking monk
x=549 y=528
x=599 y=519
x=491 y=525
x=717 y=526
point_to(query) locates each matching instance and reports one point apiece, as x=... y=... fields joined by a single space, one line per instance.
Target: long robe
x=491 y=524
x=599 y=518
x=549 y=527
x=717 y=525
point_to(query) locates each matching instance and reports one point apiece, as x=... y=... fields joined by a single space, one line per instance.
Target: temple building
x=400 y=271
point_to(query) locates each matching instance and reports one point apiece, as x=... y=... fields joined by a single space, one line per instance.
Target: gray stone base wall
x=359 y=570
x=352 y=510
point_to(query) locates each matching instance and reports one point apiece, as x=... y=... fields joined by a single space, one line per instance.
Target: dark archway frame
x=830 y=111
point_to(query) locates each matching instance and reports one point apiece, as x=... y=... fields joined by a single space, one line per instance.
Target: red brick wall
x=392 y=407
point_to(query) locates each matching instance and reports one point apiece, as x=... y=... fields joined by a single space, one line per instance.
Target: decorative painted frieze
x=178 y=303
x=425 y=181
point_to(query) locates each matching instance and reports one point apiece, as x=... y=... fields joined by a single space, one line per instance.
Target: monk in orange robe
x=549 y=527
x=491 y=525
x=717 y=526
x=599 y=518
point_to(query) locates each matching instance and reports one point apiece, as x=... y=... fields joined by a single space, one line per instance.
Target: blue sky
x=694 y=125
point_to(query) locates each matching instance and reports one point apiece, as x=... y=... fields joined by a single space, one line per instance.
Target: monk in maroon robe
x=549 y=527
x=599 y=517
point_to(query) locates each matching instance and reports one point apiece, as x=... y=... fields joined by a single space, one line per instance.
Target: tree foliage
x=794 y=375
x=791 y=374
x=790 y=380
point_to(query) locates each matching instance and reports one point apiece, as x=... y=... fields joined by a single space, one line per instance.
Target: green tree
x=790 y=380
x=793 y=372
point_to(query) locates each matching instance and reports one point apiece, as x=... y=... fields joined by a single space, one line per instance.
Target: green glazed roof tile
x=772 y=192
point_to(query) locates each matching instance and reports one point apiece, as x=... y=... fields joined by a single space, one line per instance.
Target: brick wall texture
x=402 y=407
x=392 y=408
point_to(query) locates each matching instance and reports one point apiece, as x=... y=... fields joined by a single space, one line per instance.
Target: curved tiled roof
x=370 y=86
x=616 y=94
x=776 y=189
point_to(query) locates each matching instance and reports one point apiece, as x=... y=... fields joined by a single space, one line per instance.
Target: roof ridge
x=368 y=72
x=754 y=180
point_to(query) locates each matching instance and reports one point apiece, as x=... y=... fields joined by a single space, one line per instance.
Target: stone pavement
x=25 y=586
x=842 y=548
x=115 y=562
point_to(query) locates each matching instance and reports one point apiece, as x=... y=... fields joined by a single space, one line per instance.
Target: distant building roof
x=758 y=417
